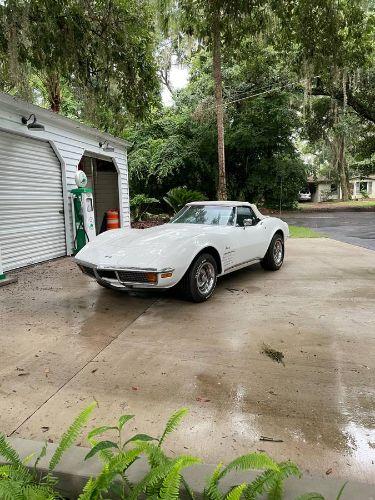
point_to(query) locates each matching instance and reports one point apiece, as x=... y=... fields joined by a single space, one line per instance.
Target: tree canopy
x=270 y=82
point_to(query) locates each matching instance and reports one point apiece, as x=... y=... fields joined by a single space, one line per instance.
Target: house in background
x=38 y=163
x=323 y=189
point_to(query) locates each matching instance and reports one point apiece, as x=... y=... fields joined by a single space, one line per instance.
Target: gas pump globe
x=83 y=212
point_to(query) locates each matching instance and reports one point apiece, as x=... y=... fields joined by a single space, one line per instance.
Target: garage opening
x=102 y=178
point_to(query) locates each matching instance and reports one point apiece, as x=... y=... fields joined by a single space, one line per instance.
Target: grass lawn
x=304 y=232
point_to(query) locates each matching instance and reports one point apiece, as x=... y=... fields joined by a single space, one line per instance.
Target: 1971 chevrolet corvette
x=203 y=241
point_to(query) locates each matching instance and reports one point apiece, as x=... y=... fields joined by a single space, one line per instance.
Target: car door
x=250 y=241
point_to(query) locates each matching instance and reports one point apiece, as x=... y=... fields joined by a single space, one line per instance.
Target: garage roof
x=47 y=116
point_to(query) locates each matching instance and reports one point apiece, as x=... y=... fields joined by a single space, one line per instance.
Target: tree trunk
x=216 y=51
x=342 y=170
x=54 y=92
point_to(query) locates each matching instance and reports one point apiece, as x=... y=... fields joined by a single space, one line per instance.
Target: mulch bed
x=147 y=223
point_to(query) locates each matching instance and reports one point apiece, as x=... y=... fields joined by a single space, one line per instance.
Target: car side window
x=245 y=213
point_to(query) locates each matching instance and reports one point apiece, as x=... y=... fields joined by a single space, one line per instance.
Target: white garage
x=38 y=162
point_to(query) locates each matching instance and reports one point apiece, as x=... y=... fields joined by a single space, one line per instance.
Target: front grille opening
x=88 y=270
x=105 y=273
x=132 y=276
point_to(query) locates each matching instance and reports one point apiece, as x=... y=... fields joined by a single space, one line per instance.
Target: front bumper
x=129 y=278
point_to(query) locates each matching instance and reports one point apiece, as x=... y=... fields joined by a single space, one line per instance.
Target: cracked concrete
x=65 y=341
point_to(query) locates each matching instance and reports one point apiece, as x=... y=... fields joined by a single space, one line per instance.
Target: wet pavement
x=66 y=341
x=356 y=228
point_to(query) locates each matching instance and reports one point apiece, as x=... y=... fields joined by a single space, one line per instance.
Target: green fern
x=151 y=479
x=71 y=435
x=341 y=491
x=16 y=472
x=8 y=452
x=117 y=465
x=236 y=492
x=251 y=461
x=156 y=455
x=276 y=492
x=212 y=491
x=173 y=423
x=11 y=490
x=170 y=488
x=37 y=492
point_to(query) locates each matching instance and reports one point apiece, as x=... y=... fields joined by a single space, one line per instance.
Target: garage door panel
x=32 y=226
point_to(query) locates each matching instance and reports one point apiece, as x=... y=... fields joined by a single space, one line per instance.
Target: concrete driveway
x=65 y=341
x=356 y=228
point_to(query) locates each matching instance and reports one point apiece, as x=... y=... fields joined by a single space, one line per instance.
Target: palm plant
x=177 y=197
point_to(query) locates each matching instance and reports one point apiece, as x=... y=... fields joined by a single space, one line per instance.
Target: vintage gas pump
x=83 y=212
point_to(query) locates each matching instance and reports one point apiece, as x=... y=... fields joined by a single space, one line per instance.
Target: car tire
x=200 y=279
x=274 y=257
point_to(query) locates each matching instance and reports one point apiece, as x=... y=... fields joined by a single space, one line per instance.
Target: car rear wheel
x=199 y=282
x=274 y=257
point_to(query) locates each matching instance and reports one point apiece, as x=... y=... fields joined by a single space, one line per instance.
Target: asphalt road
x=356 y=228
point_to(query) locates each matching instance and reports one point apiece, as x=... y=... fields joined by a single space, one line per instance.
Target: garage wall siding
x=70 y=145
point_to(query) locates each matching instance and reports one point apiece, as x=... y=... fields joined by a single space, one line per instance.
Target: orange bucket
x=113 y=219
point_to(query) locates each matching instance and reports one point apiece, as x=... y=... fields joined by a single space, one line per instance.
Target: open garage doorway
x=102 y=178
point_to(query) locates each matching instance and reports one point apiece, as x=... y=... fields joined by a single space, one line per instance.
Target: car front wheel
x=199 y=282
x=274 y=257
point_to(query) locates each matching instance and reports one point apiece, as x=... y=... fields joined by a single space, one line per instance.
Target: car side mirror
x=248 y=222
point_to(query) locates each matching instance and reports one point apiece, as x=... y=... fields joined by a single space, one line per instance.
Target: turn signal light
x=166 y=275
x=152 y=277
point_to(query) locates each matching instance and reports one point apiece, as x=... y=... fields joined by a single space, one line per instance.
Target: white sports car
x=203 y=241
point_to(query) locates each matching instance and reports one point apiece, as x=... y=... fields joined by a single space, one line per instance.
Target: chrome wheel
x=205 y=277
x=278 y=252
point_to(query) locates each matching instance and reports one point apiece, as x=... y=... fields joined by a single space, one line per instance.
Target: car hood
x=152 y=248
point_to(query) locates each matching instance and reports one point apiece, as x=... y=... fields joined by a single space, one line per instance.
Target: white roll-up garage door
x=32 y=227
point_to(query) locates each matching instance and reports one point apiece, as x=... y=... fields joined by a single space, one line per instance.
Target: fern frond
x=150 y=480
x=262 y=483
x=42 y=454
x=36 y=492
x=170 y=488
x=8 y=452
x=288 y=469
x=276 y=492
x=16 y=472
x=188 y=490
x=71 y=435
x=212 y=492
x=11 y=490
x=156 y=455
x=341 y=491
x=173 y=423
x=250 y=462
x=157 y=482
x=236 y=492
x=117 y=465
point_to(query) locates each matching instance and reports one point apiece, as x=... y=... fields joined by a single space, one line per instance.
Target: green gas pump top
x=81 y=190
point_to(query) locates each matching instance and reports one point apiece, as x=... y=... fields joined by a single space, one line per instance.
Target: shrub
x=139 y=204
x=177 y=197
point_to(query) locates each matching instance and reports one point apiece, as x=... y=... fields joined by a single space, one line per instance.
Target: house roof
x=48 y=116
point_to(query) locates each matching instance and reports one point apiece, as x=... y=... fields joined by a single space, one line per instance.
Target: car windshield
x=213 y=215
